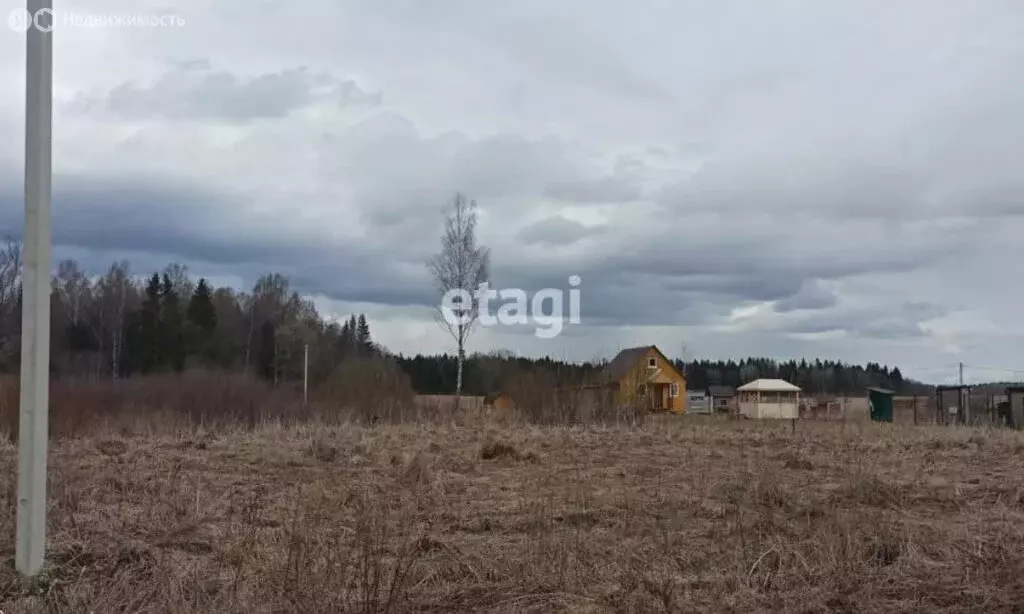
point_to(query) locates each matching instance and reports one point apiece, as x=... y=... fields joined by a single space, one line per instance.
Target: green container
x=881 y=404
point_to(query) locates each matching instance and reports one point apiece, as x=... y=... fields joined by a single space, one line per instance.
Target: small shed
x=1015 y=400
x=880 y=401
x=769 y=398
x=722 y=398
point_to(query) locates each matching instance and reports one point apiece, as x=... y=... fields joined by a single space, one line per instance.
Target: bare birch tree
x=460 y=267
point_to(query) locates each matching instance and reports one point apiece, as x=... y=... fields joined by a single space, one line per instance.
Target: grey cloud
x=556 y=230
x=156 y=219
x=811 y=296
x=883 y=154
x=608 y=190
x=399 y=177
x=193 y=92
x=896 y=322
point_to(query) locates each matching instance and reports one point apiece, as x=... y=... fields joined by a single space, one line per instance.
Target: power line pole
x=35 y=311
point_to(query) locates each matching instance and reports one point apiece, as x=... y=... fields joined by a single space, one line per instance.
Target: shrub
x=368 y=390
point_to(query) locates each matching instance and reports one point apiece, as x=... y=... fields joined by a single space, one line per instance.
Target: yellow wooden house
x=644 y=376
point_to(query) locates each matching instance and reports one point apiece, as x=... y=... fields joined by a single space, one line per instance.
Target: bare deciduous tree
x=115 y=290
x=461 y=266
x=181 y=283
x=10 y=299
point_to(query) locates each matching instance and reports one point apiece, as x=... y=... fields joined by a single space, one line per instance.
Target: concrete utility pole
x=35 y=311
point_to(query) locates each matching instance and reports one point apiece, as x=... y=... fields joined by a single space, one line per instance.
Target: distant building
x=697 y=402
x=722 y=398
x=1015 y=407
x=769 y=398
x=645 y=376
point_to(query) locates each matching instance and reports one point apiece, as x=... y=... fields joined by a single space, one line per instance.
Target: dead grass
x=677 y=515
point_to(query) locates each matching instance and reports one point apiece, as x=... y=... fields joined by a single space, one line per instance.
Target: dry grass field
x=679 y=515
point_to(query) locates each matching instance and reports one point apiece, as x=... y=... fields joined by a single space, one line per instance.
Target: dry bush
x=323 y=451
x=369 y=390
x=542 y=397
x=157 y=403
x=499 y=449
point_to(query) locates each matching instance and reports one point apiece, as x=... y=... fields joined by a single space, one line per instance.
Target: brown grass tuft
x=323 y=451
x=499 y=449
x=112 y=447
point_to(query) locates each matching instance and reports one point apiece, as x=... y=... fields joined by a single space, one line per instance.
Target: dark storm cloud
x=160 y=220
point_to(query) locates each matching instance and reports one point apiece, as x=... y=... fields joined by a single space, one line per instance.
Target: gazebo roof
x=769 y=385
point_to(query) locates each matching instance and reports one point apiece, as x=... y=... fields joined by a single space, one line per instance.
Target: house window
x=652 y=363
x=673 y=390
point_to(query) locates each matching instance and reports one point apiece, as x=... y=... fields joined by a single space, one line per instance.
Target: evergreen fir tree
x=345 y=340
x=172 y=336
x=149 y=341
x=201 y=312
x=202 y=321
x=363 y=341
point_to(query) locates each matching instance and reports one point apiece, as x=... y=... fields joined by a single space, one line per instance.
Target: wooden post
x=915 y=409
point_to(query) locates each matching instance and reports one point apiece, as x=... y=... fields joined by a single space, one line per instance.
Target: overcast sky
x=785 y=178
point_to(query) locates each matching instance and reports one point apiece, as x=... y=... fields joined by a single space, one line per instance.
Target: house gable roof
x=626 y=360
x=721 y=391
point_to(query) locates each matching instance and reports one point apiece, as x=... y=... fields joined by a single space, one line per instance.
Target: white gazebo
x=769 y=398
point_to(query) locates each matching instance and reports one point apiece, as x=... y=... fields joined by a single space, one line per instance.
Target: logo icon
x=20 y=20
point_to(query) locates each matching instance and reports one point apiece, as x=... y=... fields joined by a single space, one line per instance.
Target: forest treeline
x=488 y=372
x=125 y=322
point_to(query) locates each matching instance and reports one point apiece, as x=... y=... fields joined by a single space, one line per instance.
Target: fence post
x=915 y=409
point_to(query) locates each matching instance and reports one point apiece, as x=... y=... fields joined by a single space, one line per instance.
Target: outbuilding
x=880 y=403
x=769 y=398
x=722 y=399
x=1015 y=407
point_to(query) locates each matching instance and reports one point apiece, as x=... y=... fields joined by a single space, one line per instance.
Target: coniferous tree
x=202 y=323
x=149 y=337
x=353 y=332
x=363 y=341
x=345 y=340
x=172 y=327
x=201 y=312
